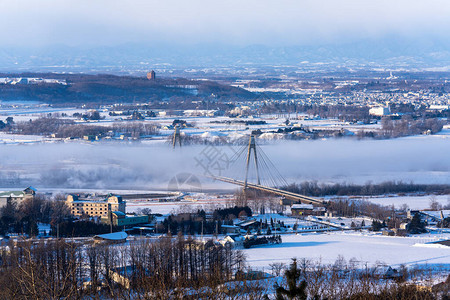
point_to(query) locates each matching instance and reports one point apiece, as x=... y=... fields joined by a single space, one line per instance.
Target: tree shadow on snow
x=298 y=244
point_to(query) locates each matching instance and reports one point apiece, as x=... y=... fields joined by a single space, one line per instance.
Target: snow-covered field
x=362 y=247
x=413 y=202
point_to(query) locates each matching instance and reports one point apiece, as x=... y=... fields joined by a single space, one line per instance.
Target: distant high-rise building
x=151 y=75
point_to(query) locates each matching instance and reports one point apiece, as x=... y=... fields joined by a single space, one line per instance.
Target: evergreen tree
x=8 y=215
x=416 y=225
x=296 y=289
x=9 y=211
x=376 y=225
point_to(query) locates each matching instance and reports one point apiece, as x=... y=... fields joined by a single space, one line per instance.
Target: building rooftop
x=302 y=206
x=115 y=236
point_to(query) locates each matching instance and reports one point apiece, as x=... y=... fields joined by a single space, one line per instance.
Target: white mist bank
x=416 y=159
x=151 y=166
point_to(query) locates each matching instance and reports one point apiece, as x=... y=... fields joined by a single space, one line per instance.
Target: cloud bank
x=288 y=22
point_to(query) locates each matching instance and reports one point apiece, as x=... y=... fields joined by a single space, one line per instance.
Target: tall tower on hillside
x=151 y=75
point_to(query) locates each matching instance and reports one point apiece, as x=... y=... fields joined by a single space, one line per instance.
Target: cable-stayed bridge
x=286 y=194
x=269 y=183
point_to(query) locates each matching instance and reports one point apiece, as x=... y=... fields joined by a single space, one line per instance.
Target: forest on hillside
x=103 y=89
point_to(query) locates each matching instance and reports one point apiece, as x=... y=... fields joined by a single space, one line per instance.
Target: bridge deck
x=289 y=195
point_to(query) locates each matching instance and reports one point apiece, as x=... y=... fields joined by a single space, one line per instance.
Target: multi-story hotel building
x=95 y=208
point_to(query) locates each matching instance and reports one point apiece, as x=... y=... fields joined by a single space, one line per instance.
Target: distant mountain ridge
x=135 y=58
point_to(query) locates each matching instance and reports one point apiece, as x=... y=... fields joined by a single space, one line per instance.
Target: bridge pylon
x=176 y=137
x=251 y=146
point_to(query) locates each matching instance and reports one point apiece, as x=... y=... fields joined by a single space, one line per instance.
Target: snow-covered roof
x=233 y=239
x=437 y=214
x=229 y=226
x=12 y=194
x=119 y=213
x=302 y=206
x=115 y=236
x=247 y=223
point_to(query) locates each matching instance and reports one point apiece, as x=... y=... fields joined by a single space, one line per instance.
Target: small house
x=307 y=210
x=234 y=241
x=249 y=225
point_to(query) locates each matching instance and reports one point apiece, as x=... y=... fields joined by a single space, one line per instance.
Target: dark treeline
x=348 y=113
x=69 y=228
x=161 y=269
x=23 y=218
x=231 y=213
x=275 y=239
x=349 y=208
x=312 y=188
x=63 y=128
x=178 y=268
x=103 y=88
x=342 y=112
x=198 y=223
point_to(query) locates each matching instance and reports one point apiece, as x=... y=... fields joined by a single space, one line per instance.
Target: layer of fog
x=152 y=166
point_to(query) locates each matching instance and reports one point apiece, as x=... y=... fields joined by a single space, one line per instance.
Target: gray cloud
x=101 y=22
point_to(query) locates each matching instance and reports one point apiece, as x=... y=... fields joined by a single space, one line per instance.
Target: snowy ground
x=363 y=247
x=413 y=202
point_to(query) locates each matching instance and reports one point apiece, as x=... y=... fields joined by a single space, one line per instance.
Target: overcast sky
x=234 y=22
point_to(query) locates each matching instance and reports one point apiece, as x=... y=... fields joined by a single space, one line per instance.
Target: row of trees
x=408 y=126
x=342 y=112
x=197 y=223
x=313 y=188
x=64 y=128
x=349 y=208
x=161 y=269
x=178 y=268
x=23 y=218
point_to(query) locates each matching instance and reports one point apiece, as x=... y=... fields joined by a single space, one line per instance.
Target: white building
x=17 y=196
x=380 y=111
